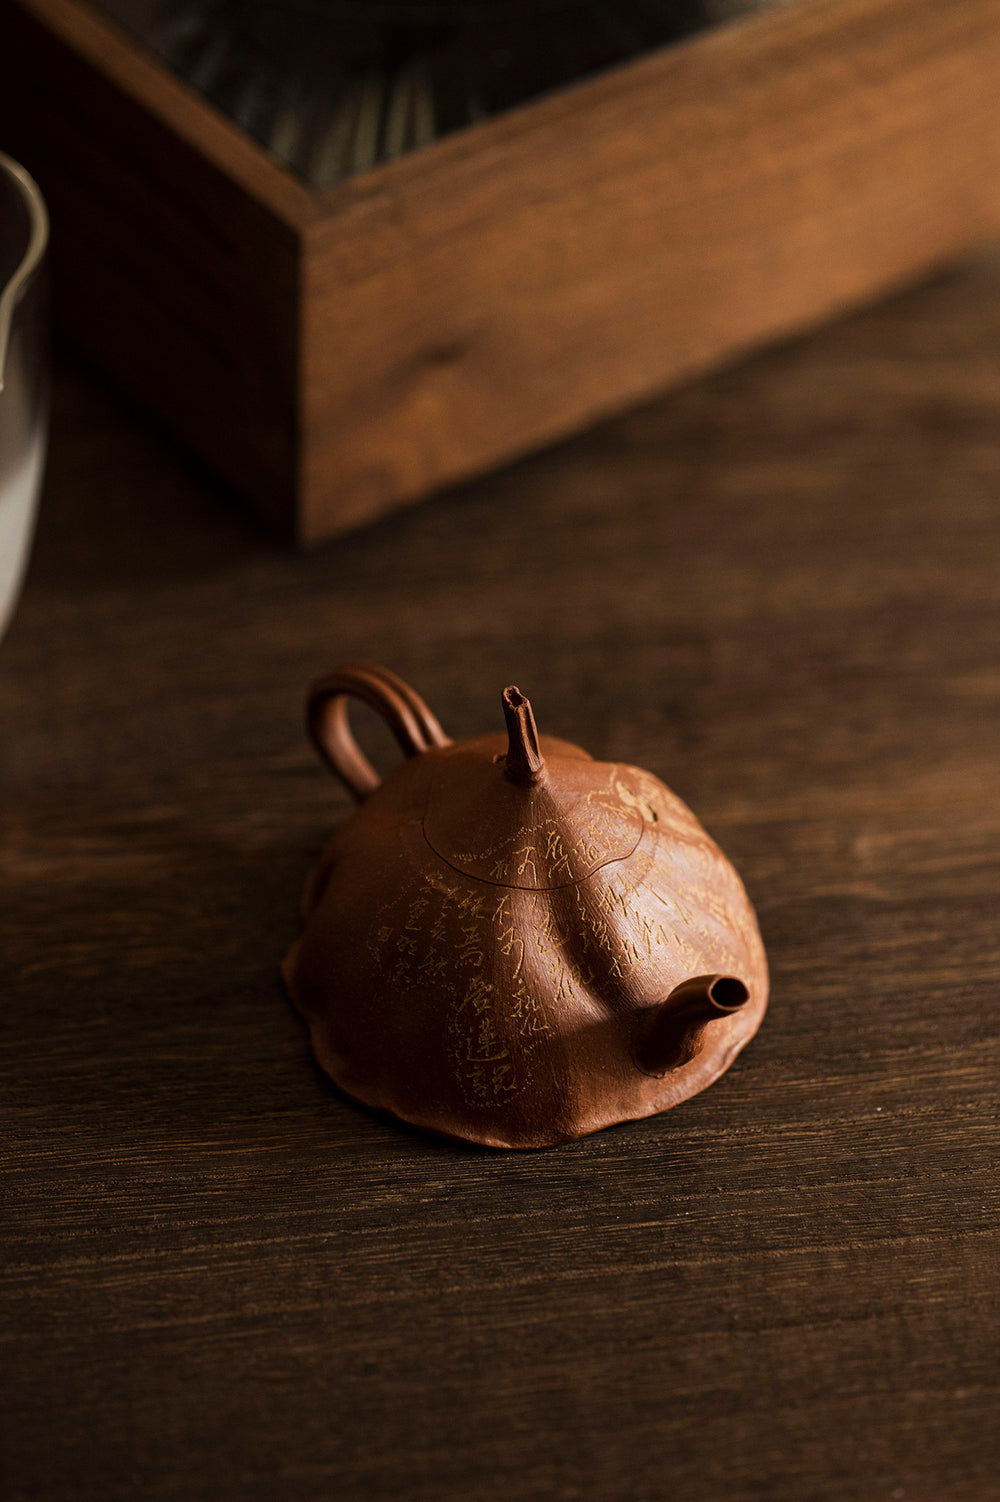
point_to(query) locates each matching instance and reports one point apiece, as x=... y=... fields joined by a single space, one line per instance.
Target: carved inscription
x=550 y=843
x=504 y=970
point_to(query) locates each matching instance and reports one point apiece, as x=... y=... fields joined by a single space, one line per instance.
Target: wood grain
x=778 y=590
x=530 y=275
x=175 y=241
x=334 y=355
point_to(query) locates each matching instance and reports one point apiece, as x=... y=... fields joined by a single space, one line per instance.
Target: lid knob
x=524 y=762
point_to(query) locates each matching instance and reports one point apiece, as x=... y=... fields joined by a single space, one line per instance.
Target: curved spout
x=675 y=1035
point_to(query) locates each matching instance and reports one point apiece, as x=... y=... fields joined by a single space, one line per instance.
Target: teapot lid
x=519 y=819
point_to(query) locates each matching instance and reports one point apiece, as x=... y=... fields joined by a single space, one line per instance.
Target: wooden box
x=335 y=354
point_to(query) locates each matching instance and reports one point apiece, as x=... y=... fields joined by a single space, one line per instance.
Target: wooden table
x=780 y=591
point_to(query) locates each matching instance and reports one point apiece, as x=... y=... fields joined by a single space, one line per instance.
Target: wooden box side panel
x=178 y=279
x=516 y=282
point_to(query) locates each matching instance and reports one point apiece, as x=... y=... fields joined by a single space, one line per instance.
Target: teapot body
x=511 y=983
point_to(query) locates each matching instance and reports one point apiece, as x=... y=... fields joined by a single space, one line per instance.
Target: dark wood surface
x=780 y=591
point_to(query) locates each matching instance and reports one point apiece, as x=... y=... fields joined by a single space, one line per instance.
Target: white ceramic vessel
x=24 y=233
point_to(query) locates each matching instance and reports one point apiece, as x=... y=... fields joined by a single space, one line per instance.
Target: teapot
x=509 y=942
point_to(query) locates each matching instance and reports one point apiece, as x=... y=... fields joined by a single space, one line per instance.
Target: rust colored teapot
x=511 y=943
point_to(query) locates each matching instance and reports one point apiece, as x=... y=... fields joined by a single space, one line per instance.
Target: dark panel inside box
x=333 y=87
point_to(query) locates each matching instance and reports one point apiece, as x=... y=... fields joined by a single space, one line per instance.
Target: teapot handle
x=403 y=710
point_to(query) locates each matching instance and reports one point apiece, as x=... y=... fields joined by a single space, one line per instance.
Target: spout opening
x=728 y=993
x=677 y=1030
